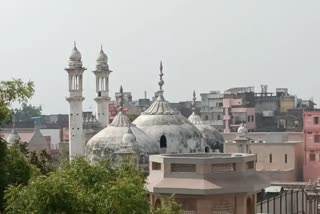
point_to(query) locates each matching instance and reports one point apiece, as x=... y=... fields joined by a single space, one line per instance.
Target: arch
x=285 y=158
x=157 y=204
x=163 y=141
x=207 y=149
x=250 y=209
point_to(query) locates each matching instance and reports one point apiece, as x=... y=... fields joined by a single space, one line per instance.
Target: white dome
x=109 y=140
x=13 y=137
x=102 y=60
x=242 y=129
x=161 y=121
x=129 y=137
x=75 y=55
x=212 y=137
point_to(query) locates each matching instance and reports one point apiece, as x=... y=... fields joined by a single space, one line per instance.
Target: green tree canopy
x=14 y=168
x=81 y=187
x=13 y=91
x=26 y=112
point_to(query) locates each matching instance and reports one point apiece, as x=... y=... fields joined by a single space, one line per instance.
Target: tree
x=26 y=112
x=13 y=91
x=81 y=187
x=15 y=168
x=168 y=206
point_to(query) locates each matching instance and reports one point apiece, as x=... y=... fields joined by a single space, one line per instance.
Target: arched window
x=270 y=158
x=285 y=158
x=206 y=149
x=163 y=142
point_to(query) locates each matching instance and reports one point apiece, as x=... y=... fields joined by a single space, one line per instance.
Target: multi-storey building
x=212 y=109
x=239 y=108
x=311 y=130
x=280 y=111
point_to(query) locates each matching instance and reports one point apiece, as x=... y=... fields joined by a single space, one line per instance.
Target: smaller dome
x=14 y=137
x=129 y=137
x=102 y=60
x=75 y=55
x=242 y=129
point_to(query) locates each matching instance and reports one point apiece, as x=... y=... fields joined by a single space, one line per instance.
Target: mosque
x=159 y=129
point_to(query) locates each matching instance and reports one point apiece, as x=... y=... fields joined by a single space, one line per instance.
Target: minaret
x=75 y=71
x=102 y=88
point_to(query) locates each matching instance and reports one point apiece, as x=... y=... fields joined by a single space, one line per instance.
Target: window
x=207 y=150
x=250 y=165
x=156 y=166
x=183 y=167
x=285 y=158
x=163 y=142
x=206 y=117
x=316 y=120
x=248 y=118
x=317 y=138
x=223 y=167
x=270 y=158
x=252 y=118
x=312 y=157
x=219 y=117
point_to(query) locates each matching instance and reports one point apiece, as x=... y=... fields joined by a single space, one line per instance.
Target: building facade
x=239 y=107
x=311 y=130
x=279 y=154
x=211 y=111
x=206 y=183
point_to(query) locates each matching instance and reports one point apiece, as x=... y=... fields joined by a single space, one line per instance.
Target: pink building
x=311 y=127
x=239 y=107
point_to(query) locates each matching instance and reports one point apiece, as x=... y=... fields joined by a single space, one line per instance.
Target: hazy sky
x=204 y=45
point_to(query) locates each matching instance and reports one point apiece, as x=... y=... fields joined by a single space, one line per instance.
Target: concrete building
x=311 y=130
x=33 y=137
x=206 y=183
x=279 y=154
x=239 y=107
x=212 y=109
x=280 y=111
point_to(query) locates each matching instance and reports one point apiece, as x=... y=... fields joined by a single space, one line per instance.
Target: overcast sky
x=204 y=45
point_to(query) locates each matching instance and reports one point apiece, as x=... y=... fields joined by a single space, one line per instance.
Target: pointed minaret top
x=121 y=99
x=161 y=82
x=194 y=102
x=101 y=48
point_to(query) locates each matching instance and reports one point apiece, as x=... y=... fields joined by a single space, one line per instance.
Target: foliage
x=168 y=206
x=26 y=112
x=81 y=187
x=15 y=168
x=12 y=91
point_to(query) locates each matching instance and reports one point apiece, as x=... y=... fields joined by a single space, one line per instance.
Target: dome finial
x=101 y=48
x=121 y=99
x=161 y=82
x=194 y=101
x=75 y=44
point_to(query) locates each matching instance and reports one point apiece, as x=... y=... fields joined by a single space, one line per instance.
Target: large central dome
x=174 y=133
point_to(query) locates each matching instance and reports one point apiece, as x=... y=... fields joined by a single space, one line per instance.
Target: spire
x=194 y=102
x=101 y=48
x=74 y=44
x=161 y=82
x=121 y=99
